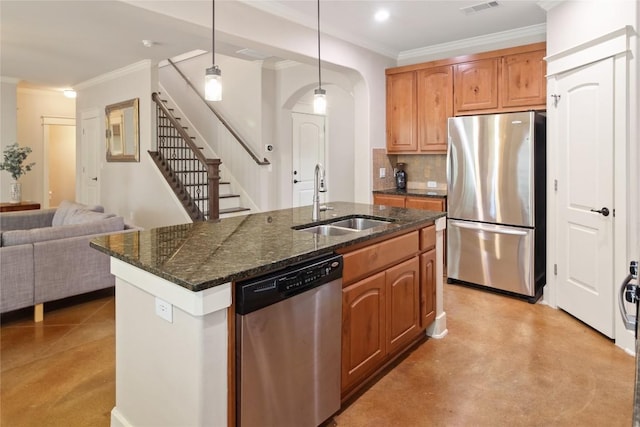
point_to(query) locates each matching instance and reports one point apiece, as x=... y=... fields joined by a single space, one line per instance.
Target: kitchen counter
x=201 y=255
x=432 y=192
x=175 y=318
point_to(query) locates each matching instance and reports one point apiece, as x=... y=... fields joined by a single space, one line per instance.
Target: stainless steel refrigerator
x=496 y=202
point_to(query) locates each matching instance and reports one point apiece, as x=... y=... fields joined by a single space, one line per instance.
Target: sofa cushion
x=19 y=237
x=66 y=208
x=82 y=216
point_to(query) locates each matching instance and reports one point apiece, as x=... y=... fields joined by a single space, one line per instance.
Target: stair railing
x=237 y=137
x=198 y=177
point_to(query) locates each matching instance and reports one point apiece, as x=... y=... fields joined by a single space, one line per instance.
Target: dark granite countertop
x=201 y=255
x=432 y=192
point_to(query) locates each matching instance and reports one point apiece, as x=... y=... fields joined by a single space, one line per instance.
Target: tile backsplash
x=420 y=168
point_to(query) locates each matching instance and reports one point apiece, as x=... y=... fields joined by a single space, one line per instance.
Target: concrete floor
x=504 y=362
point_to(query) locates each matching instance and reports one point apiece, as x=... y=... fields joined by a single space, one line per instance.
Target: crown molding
x=120 y=72
x=533 y=30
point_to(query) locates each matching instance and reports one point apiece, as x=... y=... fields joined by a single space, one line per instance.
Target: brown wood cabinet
x=421 y=97
x=389 y=200
x=418 y=105
x=425 y=203
x=476 y=85
x=387 y=302
x=523 y=79
x=403 y=304
x=363 y=328
x=401 y=113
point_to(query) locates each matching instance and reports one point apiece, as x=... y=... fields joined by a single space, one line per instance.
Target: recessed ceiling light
x=148 y=43
x=381 y=15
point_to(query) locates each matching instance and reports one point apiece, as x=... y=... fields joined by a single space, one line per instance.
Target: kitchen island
x=174 y=305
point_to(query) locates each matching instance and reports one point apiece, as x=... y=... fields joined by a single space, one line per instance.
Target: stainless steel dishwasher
x=288 y=344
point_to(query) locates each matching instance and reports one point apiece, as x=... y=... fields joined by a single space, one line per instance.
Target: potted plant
x=14 y=157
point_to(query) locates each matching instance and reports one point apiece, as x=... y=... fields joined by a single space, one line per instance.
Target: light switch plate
x=432 y=184
x=383 y=172
x=164 y=310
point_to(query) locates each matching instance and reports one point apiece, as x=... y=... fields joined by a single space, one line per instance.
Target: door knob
x=603 y=211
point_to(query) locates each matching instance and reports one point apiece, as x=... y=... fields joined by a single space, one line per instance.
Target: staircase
x=193 y=178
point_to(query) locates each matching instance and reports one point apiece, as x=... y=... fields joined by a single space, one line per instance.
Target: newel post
x=213 y=181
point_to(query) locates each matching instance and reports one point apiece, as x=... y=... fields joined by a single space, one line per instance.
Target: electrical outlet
x=164 y=310
x=383 y=172
x=432 y=184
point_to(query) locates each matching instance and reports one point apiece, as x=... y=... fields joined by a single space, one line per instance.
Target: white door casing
x=90 y=143
x=308 y=149
x=585 y=239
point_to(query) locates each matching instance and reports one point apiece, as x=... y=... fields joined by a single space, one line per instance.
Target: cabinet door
x=363 y=328
x=401 y=112
x=426 y=203
x=523 y=80
x=476 y=85
x=435 y=106
x=389 y=200
x=403 y=309
x=427 y=288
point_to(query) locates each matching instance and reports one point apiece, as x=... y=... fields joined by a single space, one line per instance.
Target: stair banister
x=237 y=137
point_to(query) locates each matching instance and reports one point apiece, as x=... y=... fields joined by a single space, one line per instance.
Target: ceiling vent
x=479 y=7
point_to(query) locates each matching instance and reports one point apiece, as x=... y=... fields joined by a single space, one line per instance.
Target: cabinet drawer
x=389 y=200
x=425 y=203
x=363 y=262
x=428 y=238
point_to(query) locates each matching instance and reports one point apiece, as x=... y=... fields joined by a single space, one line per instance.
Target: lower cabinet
x=364 y=316
x=385 y=312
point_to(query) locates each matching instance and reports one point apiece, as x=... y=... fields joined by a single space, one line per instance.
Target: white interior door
x=585 y=184
x=308 y=150
x=89 y=147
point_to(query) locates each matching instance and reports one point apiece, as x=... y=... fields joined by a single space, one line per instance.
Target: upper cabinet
x=418 y=105
x=524 y=81
x=421 y=97
x=476 y=85
x=401 y=112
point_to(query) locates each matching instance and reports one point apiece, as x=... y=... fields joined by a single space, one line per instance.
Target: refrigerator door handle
x=492 y=229
x=627 y=292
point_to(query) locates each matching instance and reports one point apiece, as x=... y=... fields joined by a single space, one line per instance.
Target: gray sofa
x=45 y=254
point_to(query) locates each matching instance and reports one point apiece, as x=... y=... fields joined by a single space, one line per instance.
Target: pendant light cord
x=319 y=70
x=213 y=32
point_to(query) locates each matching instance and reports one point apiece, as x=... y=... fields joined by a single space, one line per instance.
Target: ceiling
x=42 y=43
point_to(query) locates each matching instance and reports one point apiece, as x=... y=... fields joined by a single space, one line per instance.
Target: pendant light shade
x=213 y=84
x=319 y=95
x=213 y=76
x=320 y=101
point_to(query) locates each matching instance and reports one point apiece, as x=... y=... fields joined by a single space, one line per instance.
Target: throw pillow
x=66 y=207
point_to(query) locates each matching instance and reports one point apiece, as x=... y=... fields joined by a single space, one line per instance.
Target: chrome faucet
x=318 y=187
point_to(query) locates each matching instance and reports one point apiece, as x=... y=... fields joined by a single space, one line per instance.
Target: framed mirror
x=122 y=131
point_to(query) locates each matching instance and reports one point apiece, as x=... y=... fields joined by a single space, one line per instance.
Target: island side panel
x=438 y=329
x=168 y=373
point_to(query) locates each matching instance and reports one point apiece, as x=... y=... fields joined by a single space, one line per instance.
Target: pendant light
x=319 y=95
x=213 y=77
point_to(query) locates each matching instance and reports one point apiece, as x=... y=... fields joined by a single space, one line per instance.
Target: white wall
x=133 y=190
x=8 y=126
x=259 y=96
x=257 y=30
x=31 y=106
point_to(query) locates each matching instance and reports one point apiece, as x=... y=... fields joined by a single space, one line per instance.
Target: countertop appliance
x=496 y=168
x=288 y=343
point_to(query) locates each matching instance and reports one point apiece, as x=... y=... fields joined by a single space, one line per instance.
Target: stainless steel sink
x=359 y=223
x=342 y=226
x=328 y=230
